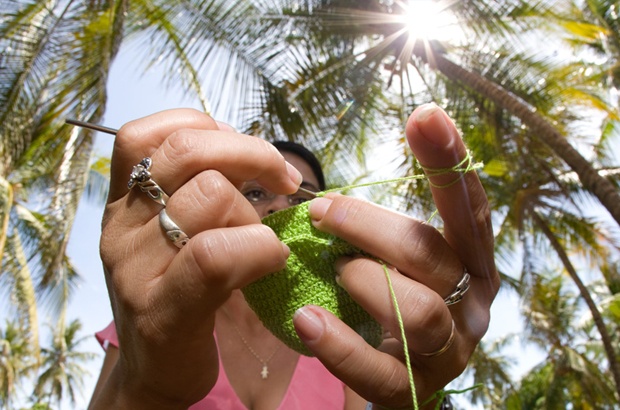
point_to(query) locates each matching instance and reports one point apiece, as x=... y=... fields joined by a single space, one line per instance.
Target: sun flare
x=430 y=20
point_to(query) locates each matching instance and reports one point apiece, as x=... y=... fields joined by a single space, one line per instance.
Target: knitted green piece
x=308 y=279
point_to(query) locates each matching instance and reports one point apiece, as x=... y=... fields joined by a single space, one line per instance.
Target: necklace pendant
x=264 y=373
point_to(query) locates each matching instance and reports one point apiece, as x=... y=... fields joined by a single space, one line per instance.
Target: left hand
x=424 y=267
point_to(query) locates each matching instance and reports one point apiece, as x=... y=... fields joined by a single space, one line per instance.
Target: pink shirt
x=312 y=386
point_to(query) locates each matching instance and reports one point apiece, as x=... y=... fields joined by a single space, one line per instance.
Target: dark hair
x=306 y=155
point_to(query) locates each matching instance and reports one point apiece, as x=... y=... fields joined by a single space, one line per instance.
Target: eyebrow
x=309 y=186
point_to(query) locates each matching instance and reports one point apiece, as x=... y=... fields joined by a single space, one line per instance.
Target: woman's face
x=267 y=203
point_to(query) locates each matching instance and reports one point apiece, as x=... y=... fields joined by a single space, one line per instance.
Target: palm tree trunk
x=598 y=185
x=26 y=299
x=6 y=204
x=614 y=364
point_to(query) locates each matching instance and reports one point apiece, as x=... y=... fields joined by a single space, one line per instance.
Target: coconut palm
x=62 y=373
x=396 y=46
x=15 y=362
x=569 y=375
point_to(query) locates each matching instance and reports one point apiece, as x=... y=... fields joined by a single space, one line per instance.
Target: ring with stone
x=141 y=176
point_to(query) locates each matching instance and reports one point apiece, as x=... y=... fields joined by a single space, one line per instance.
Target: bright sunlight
x=429 y=19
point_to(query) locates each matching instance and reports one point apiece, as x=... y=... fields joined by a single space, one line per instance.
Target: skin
x=166 y=301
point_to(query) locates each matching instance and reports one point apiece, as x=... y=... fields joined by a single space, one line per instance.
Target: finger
x=418 y=250
x=239 y=157
x=349 y=358
x=201 y=275
x=192 y=211
x=141 y=138
x=207 y=201
x=377 y=376
x=425 y=317
x=180 y=153
x=460 y=199
x=217 y=261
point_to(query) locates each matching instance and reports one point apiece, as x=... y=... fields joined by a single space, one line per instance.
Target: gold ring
x=446 y=345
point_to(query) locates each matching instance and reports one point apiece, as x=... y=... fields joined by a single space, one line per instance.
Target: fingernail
x=318 y=208
x=425 y=111
x=433 y=125
x=294 y=174
x=286 y=249
x=309 y=325
x=339 y=266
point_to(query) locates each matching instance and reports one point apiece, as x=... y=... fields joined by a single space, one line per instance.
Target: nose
x=278 y=203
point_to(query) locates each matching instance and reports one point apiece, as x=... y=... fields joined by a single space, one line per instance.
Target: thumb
x=376 y=376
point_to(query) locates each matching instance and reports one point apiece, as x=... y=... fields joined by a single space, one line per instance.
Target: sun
x=429 y=20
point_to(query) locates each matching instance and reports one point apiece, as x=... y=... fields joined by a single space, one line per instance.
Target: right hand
x=163 y=298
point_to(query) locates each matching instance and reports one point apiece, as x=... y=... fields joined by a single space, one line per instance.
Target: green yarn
x=308 y=279
x=403 y=337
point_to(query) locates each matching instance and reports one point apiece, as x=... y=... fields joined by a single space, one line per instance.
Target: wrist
x=119 y=392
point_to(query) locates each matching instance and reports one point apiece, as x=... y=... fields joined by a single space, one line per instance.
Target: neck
x=237 y=311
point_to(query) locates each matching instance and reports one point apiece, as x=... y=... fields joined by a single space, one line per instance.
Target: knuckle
x=425 y=307
x=482 y=218
x=212 y=254
x=211 y=189
x=129 y=132
x=420 y=246
x=394 y=387
x=271 y=159
x=178 y=147
x=217 y=253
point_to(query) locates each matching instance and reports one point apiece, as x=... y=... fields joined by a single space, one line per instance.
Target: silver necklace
x=265 y=370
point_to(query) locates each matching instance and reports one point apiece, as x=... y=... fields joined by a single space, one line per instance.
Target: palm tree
x=15 y=362
x=36 y=154
x=492 y=373
x=402 y=51
x=62 y=372
x=569 y=375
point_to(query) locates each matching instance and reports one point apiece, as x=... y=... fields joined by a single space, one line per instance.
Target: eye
x=299 y=198
x=256 y=194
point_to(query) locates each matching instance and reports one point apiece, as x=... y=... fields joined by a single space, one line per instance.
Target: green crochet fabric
x=308 y=279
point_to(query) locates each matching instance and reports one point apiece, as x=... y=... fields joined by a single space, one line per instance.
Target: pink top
x=311 y=387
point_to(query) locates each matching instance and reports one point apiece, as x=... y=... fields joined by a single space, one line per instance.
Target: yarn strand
x=466 y=165
x=401 y=327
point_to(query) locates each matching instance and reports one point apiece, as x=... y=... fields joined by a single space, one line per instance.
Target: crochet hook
x=112 y=131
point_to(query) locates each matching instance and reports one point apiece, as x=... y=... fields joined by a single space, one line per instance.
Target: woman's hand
x=425 y=267
x=164 y=298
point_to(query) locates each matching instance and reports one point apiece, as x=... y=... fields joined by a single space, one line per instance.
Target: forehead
x=303 y=167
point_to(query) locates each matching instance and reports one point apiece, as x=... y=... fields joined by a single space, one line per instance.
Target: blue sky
x=133 y=95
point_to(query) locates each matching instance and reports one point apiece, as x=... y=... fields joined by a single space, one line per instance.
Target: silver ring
x=445 y=346
x=461 y=289
x=141 y=176
x=176 y=235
